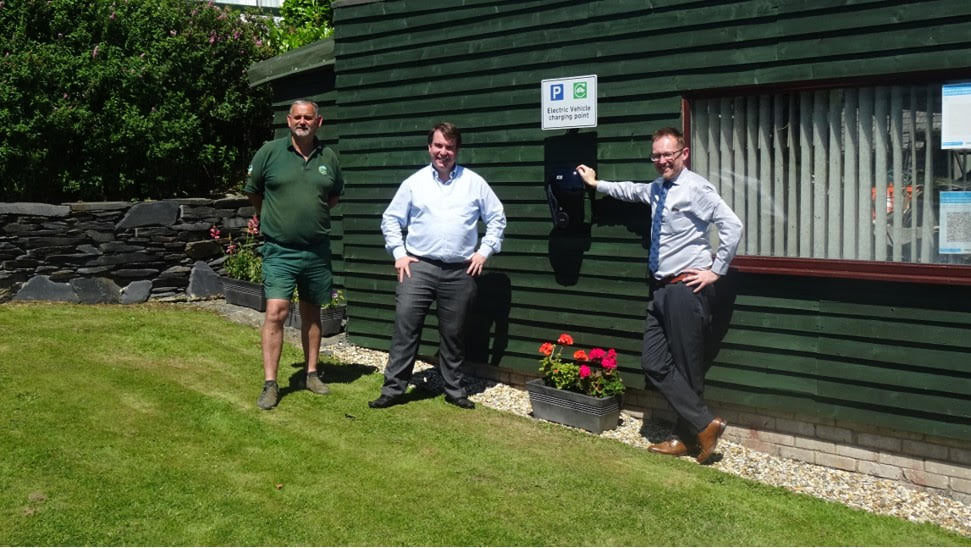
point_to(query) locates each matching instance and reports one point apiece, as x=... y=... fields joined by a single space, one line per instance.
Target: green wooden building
x=820 y=122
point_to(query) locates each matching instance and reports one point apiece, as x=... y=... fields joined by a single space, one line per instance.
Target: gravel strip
x=880 y=496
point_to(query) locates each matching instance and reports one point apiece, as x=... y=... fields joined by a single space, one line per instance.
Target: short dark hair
x=449 y=131
x=669 y=132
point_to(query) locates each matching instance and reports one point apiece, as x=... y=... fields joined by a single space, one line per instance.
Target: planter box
x=572 y=409
x=331 y=319
x=242 y=293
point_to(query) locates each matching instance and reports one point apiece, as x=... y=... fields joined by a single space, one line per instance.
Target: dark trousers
x=453 y=289
x=676 y=355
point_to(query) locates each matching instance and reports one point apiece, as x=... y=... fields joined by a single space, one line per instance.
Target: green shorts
x=308 y=270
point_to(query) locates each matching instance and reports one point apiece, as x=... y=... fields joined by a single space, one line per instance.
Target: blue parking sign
x=556 y=92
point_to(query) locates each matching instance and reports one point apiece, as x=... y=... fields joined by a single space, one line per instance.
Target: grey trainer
x=315 y=385
x=270 y=395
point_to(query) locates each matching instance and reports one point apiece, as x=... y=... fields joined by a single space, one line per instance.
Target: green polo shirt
x=295 y=192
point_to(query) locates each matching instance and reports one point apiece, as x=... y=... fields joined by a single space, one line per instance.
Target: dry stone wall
x=115 y=252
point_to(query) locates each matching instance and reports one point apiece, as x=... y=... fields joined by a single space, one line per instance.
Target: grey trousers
x=675 y=353
x=453 y=289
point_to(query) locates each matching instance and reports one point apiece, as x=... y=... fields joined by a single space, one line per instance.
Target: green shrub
x=302 y=22
x=127 y=98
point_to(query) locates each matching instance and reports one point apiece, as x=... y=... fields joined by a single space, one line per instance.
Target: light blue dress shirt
x=692 y=204
x=442 y=216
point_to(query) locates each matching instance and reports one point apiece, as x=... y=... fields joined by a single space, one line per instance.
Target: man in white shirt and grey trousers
x=440 y=205
x=683 y=270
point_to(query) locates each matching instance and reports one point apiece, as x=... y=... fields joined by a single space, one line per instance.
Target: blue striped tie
x=654 y=252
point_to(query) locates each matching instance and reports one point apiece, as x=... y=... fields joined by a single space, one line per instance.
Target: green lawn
x=138 y=426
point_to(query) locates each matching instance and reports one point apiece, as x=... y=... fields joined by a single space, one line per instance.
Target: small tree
x=127 y=98
x=303 y=22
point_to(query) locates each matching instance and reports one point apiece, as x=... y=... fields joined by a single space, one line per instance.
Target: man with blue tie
x=683 y=275
x=440 y=205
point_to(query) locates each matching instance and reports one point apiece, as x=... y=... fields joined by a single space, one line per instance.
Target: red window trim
x=939 y=274
x=942 y=274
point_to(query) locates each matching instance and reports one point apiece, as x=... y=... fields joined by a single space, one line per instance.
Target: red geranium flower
x=584 y=371
x=597 y=353
x=546 y=349
x=565 y=339
x=580 y=356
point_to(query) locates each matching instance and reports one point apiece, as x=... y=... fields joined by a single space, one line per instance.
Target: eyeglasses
x=666 y=155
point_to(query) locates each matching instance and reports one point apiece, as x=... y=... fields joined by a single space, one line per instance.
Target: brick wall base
x=935 y=464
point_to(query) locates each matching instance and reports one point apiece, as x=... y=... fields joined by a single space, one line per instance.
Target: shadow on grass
x=329 y=373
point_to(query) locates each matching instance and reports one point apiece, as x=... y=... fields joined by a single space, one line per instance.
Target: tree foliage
x=127 y=99
x=303 y=22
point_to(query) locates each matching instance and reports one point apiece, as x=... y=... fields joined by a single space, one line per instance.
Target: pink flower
x=94 y=52
x=214 y=233
x=230 y=249
x=609 y=363
x=597 y=354
x=253 y=225
x=584 y=371
x=611 y=353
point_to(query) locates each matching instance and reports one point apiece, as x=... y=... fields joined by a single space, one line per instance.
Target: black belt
x=440 y=264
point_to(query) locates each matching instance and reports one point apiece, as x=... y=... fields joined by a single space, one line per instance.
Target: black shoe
x=383 y=401
x=463 y=402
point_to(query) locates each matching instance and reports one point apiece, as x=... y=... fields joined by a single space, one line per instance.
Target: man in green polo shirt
x=293 y=183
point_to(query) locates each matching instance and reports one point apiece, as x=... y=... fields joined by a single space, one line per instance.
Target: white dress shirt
x=441 y=216
x=692 y=204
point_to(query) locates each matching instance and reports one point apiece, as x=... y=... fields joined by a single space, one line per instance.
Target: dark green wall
x=896 y=355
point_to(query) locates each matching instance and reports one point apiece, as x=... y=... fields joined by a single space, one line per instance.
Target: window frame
x=919 y=273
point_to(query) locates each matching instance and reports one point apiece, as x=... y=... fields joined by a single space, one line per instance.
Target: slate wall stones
x=41 y=288
x=203 y=281
x=46 y=211
x=150 y=213
x=115 y=252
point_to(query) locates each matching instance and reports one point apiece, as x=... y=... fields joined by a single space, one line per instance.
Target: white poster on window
x=956 y=116
x=955 y=222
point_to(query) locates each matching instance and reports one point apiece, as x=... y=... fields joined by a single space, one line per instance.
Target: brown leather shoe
x=670 y=446
x=708 y=438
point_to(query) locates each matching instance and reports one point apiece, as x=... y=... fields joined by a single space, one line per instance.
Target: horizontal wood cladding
x=879 y=352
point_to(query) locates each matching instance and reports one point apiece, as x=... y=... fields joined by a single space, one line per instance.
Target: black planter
x=573 y=409
x=242 y=293
x=331 y=319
